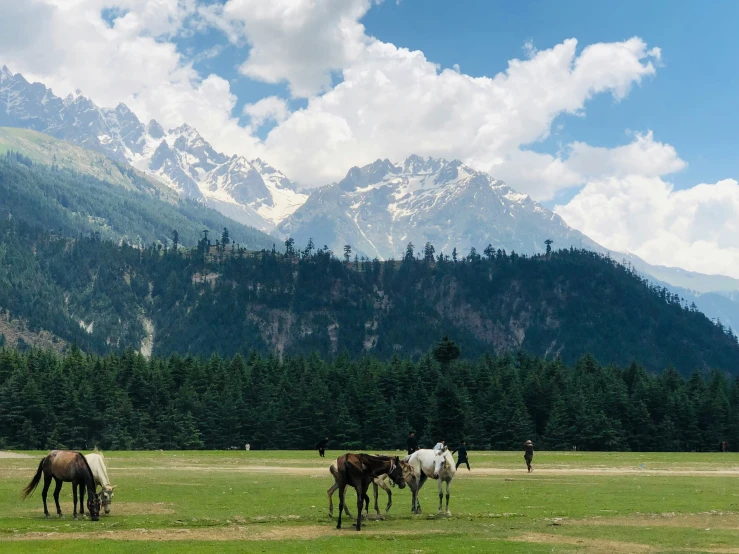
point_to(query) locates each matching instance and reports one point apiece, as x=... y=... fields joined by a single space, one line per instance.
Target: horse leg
x=330 y=493
x=383 y=485
x=82 y=499
x=346 y=506
x=418 y=499
x=365 y=498
x=342 y=494
x=439 y=483
x=448 y=487
x=74 y=497
x=58 y=488
x=47 y=483
x=361 y=493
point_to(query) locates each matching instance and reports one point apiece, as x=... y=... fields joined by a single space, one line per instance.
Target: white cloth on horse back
x=439 y=447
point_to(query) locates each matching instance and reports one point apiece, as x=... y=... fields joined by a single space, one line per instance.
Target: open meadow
x=573 y=502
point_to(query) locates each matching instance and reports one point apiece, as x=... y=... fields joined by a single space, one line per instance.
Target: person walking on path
x=439 y=446
x=412 y=443
x=528 y=454
x=322 y=447
x=462 y=458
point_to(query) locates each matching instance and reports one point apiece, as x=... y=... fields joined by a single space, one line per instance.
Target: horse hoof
x=448 y=513
x=338 y=526
x=59 y=516
x=76 y=518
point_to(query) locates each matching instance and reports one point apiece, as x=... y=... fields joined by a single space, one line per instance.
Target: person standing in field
x=439 y=446
x=248 y=446
x=462 y=458
x=322 y=447
x=412 y=443
x=528 y=454
x=724 y=446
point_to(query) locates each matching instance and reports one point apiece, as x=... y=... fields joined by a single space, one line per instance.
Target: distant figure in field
x=322 y=447
x=247 y=447
x=724 y=446
x=528 y=454
x=412 y=443
x=462 y=458
x=439 y=446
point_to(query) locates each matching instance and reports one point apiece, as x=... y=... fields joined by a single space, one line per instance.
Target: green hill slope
x=83 y=192
x=226 y=302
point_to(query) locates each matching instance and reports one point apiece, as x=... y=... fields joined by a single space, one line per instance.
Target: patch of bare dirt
x=15 y=329
x=594 y=546
x=253 y=533
x=141 y=508
x=706 y=520
x=4 y=454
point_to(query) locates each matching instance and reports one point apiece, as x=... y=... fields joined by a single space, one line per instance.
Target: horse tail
x=30 y=487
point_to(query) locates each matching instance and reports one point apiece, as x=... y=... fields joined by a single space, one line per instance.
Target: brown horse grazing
x=409 y=477
x=359 y=471
x=67 y=466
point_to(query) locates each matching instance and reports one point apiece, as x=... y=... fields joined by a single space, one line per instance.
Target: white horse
x=437 y=465
x=100 y=474
x=379 y=482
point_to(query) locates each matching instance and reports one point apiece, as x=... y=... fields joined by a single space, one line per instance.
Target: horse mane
x=89 y=469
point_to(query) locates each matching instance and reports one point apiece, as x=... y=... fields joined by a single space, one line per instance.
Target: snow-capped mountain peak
x=381 y=207
x=253 y=193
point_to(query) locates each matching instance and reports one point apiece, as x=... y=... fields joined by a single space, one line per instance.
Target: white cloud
x=271 y=108
x=643 y=157
x=394 y=102
x=298 y=41
x=696 y=228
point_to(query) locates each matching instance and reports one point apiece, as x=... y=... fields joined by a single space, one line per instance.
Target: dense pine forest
x=123 y=401
x=223 y=299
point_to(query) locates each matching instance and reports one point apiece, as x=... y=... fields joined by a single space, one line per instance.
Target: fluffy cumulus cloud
x=301 y=42
x=393 y=102
x=695 y=228
x=271 y=108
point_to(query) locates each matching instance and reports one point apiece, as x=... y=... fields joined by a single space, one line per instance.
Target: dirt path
x=4 y=454
x=253 y=533
x=480 y=472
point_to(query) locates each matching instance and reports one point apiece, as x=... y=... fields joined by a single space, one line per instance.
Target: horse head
x=93 y=506
x=106 y=497
x=409 y=474
x=396 y=472
x=440 y=463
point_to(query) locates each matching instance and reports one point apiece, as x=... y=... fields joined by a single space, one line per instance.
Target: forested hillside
x=127 y=207
x=126 y=402
x=225 y=300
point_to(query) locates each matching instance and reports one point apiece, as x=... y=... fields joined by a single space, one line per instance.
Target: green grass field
x=217 y=501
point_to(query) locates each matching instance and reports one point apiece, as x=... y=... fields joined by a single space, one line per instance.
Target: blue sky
x=630 y=136
x=691 y=102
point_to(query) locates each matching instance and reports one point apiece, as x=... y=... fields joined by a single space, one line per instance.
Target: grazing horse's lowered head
x=106 y=497
x=96 y=461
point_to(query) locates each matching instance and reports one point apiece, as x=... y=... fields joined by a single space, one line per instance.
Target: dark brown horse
x=67 y=466
x=359 y=471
